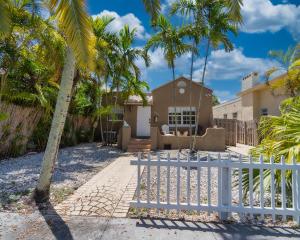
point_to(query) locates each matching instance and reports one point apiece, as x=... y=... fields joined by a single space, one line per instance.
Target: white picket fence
x=226 y=171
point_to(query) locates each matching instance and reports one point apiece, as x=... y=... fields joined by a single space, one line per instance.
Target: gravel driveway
x=75 y=166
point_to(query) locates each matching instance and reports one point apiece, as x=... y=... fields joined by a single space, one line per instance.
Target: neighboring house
x=254 y=100
x=146 y=121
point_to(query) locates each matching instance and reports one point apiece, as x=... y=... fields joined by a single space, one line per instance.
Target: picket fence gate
x=226 y=169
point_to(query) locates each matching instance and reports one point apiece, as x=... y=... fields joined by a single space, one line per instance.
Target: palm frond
x=235 y=10
x=77 y=28
x=5 y=20
x=153 y=7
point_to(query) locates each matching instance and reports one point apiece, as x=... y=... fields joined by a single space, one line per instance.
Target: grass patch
x=17 y=201
x=57 y=195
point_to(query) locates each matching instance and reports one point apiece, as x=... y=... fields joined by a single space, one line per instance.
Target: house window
x=185 y=116
x=225 y=116
x=234 y=115
x=117 y=114
x=172 y=118
x=264 y=111
x=188 y=117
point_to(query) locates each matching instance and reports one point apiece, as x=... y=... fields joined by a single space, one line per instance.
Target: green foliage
x=85 y=97
x=3 y=116
x=76 y=25
x=215 y=100
x=170 y=39
x=31 y=57
x=40 y=134
x=280 y=137
x=290 y=66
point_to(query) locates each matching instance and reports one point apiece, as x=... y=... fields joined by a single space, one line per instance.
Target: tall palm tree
x=219 y=23
x=123 y=61
x=196 y=11
x=170 y=39
x=76 y=26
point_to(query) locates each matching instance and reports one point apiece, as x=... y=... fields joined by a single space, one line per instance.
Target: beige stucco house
x=141 y=125
x=254 y=100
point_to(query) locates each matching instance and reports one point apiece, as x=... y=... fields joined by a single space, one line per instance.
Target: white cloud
x=224 y=95
x=166 y=6
x=231 y=65
x=262 y=16
x=120 y=21
x=221 y=66
x=159 y=65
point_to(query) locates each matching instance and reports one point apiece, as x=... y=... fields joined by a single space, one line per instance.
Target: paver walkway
x=107 y=194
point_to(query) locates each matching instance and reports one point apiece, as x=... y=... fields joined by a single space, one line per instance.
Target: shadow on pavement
x=226 y=231
x=56 y=224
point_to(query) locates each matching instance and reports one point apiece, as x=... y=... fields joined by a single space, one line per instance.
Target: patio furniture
x=166 y=130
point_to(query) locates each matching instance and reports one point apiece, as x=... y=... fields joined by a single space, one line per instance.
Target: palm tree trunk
x=98 y=103
x=201 y=93
x=107 y=118
x=100 y=121
x=41 y=193
x=174 y=102
x=191 y=79
x=112 y=120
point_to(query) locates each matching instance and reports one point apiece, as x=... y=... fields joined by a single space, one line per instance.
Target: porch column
x=126 y=136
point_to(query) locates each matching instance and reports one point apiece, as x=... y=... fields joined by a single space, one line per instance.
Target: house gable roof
x=180 y=79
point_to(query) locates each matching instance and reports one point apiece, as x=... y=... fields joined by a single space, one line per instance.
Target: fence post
x=224 y=190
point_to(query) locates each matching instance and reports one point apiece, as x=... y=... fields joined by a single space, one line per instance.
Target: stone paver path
x=107 y=194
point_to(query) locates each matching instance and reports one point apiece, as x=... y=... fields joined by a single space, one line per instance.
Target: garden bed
x=75 y=166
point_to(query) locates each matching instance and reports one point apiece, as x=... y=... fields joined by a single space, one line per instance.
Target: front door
x=143 y=121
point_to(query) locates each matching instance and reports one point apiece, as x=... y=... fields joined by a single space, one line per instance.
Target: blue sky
x=268 y=25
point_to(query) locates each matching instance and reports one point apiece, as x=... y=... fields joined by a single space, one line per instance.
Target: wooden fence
x=260 y=201
x=236 y=131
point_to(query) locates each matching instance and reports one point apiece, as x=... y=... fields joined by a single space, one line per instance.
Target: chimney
x=249 y=81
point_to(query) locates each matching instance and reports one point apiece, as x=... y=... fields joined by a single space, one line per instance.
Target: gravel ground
x=192 y=215
x=75 y=166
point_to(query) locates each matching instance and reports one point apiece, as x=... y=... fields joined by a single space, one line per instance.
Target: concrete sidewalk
x=38 y=226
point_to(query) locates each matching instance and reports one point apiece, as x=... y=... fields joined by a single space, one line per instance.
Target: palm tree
x=219 y=23
x=76 y=26
x=289 y=65
x=170 y=39
x=123 y=61
x=105 y=43
x=197 y=12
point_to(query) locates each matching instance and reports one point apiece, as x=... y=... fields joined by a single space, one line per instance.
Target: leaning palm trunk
x=42 y=189
x=200 y=96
